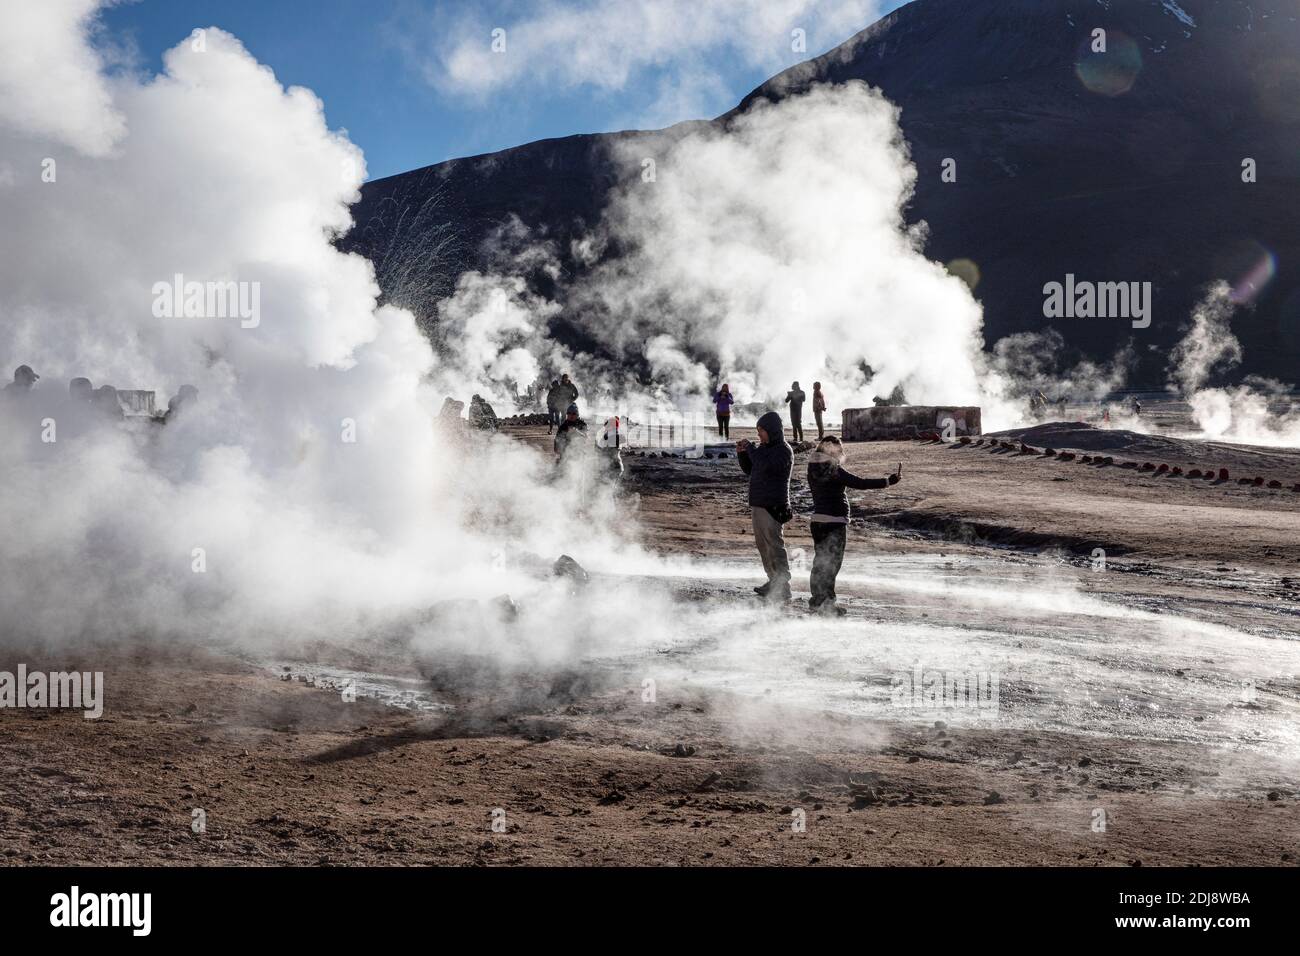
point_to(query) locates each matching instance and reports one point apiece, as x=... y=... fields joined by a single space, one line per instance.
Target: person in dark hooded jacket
x=571 y=434
x=768 y=465
x=829 y=483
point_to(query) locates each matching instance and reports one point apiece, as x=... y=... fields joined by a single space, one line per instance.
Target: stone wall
x=892 y=422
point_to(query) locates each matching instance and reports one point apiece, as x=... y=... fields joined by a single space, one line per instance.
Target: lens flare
x=1111 y=72
x=1248 y=267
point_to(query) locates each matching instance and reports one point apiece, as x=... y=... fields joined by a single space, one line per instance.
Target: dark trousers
x=821 y=430
x=796 y=423
x=828 y=540
x=724 y=425
x=556 y=419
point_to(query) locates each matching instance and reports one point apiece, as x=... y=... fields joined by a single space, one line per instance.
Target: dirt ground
x=283 y=772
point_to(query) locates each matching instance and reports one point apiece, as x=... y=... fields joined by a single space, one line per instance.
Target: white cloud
x=610 y=44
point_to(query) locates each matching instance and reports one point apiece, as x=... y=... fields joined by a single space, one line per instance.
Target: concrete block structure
x=893 y=422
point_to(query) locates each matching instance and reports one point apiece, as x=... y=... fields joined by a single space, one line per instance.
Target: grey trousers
x=770 y=540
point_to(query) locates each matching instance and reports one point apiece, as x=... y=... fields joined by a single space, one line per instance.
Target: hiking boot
x=780 y=595
x=826 y=608
x=762 y=589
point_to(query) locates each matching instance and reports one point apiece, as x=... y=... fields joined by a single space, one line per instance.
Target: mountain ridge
x=1123 y=167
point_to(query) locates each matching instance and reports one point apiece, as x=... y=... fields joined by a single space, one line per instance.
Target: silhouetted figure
x=795 y=399
x=554 y=410
x=82 y=392
x=24 y=379
x=566 y=393
x=481 y=414
x=819 y=409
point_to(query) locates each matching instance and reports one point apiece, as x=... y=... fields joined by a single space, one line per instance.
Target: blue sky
x=418 y=81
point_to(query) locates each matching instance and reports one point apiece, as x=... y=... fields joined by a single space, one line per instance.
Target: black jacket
x=568 y=433
x=769 y=466
x=830 y=483
x=565 y=395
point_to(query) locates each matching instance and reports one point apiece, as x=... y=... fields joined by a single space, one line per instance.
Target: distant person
x=106 y=402
x=554 y=412
x=1062 y=405
x=571 y=434
x=81 y=391
x=481 y=415
x=795 y=399
x=723 y=401
x=768 y=465
x=185 y=397
x=1137 y=408
x=610 y=445
x=829 y=483
x=819 y=409
x=567 y=393
x=24 y=379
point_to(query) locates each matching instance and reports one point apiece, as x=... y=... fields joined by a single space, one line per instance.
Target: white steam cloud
x=1255 y=412
x=307 y=493
x=50 y=80
x=771 y=251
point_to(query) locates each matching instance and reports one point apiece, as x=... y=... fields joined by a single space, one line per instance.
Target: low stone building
x=892 y=422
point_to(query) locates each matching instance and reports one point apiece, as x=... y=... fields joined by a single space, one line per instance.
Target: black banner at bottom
x=342 y=905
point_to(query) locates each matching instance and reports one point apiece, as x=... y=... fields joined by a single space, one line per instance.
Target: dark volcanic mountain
x=1125 y=166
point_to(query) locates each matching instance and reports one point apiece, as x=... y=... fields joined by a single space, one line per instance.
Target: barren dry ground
x=984 y=550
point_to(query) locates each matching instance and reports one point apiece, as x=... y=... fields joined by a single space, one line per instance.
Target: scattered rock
x=709 y=781
x=566 y=567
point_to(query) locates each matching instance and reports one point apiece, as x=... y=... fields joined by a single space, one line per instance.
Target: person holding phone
x=829 y=482
x=723 y=401
x=768 y=465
